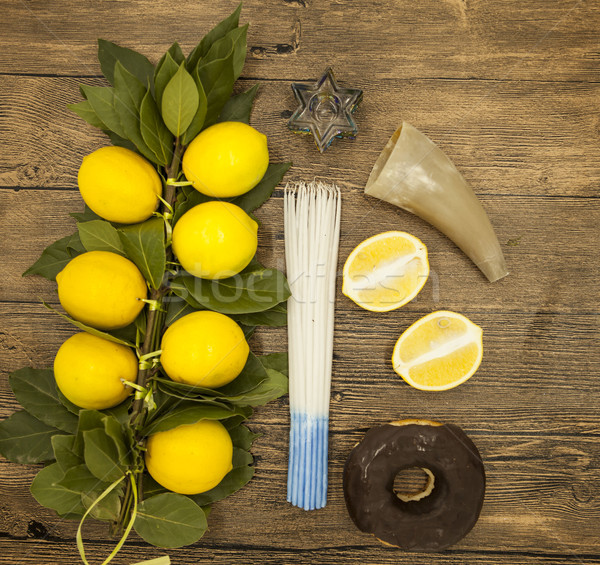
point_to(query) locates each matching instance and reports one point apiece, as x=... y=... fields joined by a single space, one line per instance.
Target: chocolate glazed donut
x=430 y=521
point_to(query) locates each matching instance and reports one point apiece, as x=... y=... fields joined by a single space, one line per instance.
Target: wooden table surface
x=510 y=89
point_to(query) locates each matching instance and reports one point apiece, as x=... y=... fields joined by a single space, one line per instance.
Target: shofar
x=413 y=173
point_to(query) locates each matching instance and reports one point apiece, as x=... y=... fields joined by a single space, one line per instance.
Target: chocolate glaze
x=434 y=522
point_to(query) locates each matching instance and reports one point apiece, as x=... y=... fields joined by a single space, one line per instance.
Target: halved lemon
x=386 y=271
x=439 y=351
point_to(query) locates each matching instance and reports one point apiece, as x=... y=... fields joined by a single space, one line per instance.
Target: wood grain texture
x=549 y=256
x=504 y=136
x=536 y=497
x=511 y=91
x=290 y=39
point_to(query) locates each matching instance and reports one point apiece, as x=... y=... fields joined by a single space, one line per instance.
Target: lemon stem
x=173 y=173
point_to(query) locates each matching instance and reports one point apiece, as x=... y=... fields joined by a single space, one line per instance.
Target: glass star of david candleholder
x=325 y=110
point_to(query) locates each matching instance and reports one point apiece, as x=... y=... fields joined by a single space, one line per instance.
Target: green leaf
x=234 y=422
x=248 y=331
x=88 y=420
x=176 y=53
x=121 y=141
x=78 y=479
x=274 y=387
x=128 y=333
x=154 y=132
x=24 y=439
x=84 y=110
x=244 y=293
x=102 y=101
x=198 y=120
x=242 y=437
x=136 y=63
x=73 y=408
x=187 y=198
x=239 y=107
x=241 y=457
x=190 y=413
x=274 y=317
x=109 y=508
x=144 y=244
x=232 y=482
x=129 y=93
x=217 y=78
x=86 y=216
x=113 y=429
x=176 y=308
x=180 y=101
x=221 y=48
x=194 y=394
x=219 y=31
x=165 y=71
x=256 y=197
x=239 y=46
x=89 y=329
x=56 y=256
x=170 y=520
x=102 y=456
x=276 y=361
x=65 y=453
x=36 y=391
x=120 y=412
x=100 y=235
x=151 y=487
x=46 y=489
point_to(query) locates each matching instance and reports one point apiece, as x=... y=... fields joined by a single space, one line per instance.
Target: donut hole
x=413 y=483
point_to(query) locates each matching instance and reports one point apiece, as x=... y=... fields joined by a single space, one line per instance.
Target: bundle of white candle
x=312 y=231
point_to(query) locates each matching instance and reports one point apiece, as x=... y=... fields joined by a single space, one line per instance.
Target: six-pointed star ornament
x=325 y=110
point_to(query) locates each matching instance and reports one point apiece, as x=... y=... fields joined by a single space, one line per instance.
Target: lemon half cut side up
x=386 y=271
x=438 y=352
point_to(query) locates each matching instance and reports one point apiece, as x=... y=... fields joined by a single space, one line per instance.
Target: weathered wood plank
x=540 y=497
x=538 y=375
x=290 y=39
x=60 y=552
x=546 y=242
x=506 y=137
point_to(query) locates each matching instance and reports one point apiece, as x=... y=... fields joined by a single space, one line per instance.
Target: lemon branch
x=152 y=336
x=151 y=343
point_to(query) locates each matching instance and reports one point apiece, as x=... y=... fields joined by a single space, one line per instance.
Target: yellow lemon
x=191 y=458
x=205 y=349
x=88 y=371
x=119 y=185
x=215 y=240
x=386 y=271
x=439 y=351
x=227 y=159
x=102 y=289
